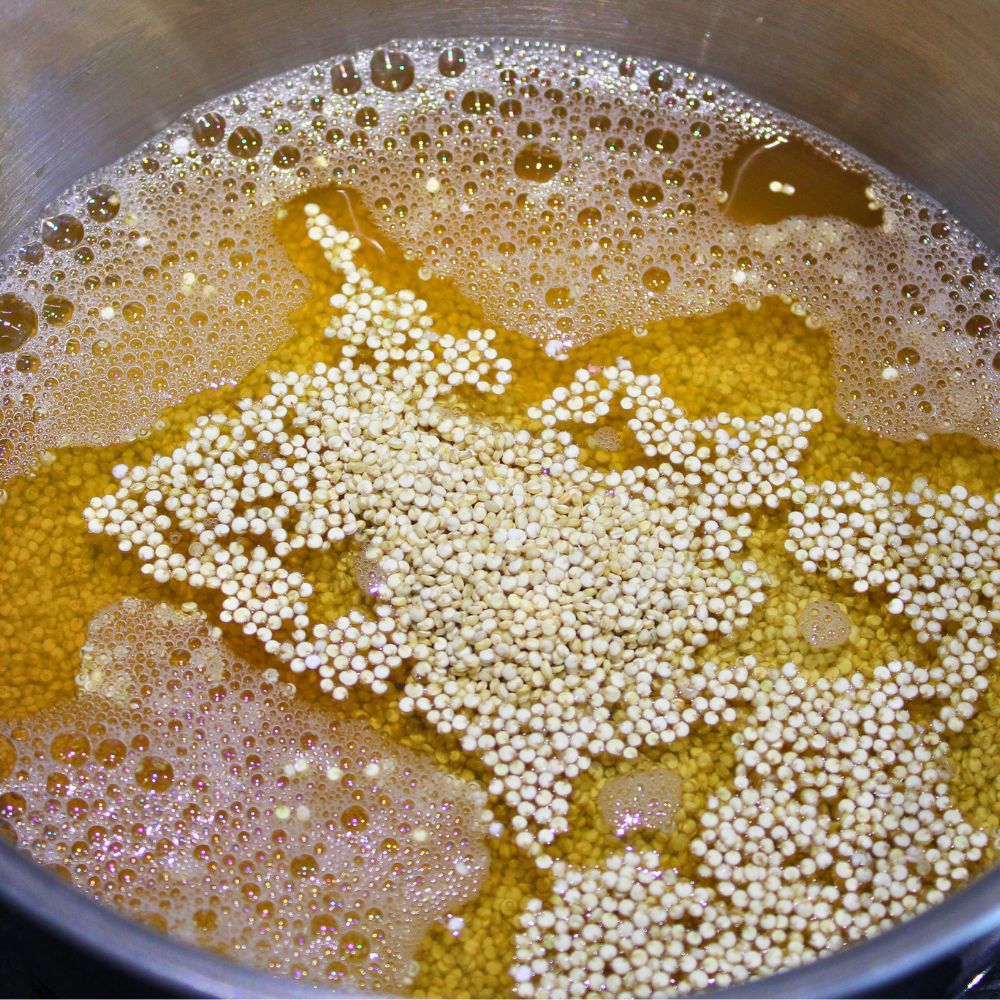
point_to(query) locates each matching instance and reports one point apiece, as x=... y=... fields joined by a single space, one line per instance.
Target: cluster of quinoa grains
x=547 y=611
x=935 y=556
x=838 y=822
x=639 y=812
x=201 y=797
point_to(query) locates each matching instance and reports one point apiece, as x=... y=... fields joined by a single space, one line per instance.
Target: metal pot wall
x=913 y=83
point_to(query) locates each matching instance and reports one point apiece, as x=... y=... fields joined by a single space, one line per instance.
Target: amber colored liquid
x=54 y=576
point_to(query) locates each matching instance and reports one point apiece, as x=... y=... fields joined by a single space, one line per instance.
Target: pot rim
x=183 y=969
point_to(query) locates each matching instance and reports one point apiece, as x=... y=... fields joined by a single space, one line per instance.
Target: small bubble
x=245 y=142
x=154 y=774
x=979 y=326
x=285 y=157
x=640 y=800
x=536 y=162
x=18 y=322
x=661 y=140
x=451 y=62
x=103 y=203
x=478 y=102
x=209 y=129
x=344 y=78
x=645 y=194
x=655 y=279
x=391 y=71
x=824 y=625
x=660 y=80
x=31 y=253
x=62 y=232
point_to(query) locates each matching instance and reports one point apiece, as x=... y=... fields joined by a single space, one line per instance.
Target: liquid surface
x=809 y=641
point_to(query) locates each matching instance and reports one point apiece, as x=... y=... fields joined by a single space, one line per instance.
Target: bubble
x=62 y=232
x=209 y=129
x=110 y=753
x=824 y=625
x=656 y=279
x=344 y=78
x=478 y=102
x=245 y=142
x=18 y=322
x=537 y=162
x=28 y=363
x=304 y=866
x=134 y=312
x=645 y=194
x=640 y=800
x=354 y=818
x=979 y=326
x=154 y=774
x=70 y=748
x=558 y=297
x=451 y=62
x=391 y=70
x=286 y=157
x=103 y=203
x=8 y=757
x=660 y=80
x=354 y=947
x=661 y=140
x=12 y=805
x=768 y=181
x=606 y=439
x=370 y=576
x=31 y=253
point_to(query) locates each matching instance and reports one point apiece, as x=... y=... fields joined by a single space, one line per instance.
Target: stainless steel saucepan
x=915 y=84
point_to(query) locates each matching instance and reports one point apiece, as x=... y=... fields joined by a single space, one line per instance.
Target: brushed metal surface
x=912 y=83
